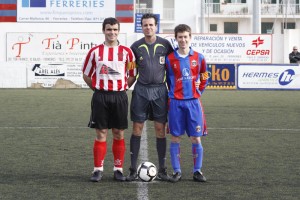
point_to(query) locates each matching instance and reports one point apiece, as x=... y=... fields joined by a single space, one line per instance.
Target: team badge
x=194 y=63
x=162 y=60
x=198 y=129
x=141 y=58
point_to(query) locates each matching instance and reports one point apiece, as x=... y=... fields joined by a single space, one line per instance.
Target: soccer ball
x=147 y=171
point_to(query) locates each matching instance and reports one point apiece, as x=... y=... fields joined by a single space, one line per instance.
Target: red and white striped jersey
x=109 y=67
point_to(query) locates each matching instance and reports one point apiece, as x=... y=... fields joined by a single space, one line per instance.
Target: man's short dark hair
x=182 y=28
x=148 y=16
x=110 y=21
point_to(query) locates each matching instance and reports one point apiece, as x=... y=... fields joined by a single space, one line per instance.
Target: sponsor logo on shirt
x=107 y=70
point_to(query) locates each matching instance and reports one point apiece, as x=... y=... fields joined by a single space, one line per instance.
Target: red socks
x=118 y=149
x=99 y=153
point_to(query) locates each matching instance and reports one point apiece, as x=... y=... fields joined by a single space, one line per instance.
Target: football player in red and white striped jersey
x=109 y=70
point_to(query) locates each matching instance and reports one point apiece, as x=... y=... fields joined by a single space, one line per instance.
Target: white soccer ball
x=147 y=171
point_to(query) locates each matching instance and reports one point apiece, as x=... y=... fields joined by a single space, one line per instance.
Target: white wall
x=291 y=38
x=13 y=75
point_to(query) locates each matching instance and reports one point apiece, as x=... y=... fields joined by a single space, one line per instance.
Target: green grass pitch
x=251 y=152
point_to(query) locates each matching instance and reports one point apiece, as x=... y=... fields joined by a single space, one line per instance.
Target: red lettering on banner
x=258 y=52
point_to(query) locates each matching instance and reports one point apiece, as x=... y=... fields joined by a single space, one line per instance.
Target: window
x=144 y=3
x=236 y=1
x=213 y=27
x=267 y=27
x=269 y=1
x=288 y=25
x=231 y=27
x=170 y=31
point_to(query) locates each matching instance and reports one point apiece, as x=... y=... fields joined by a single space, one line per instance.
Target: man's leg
x=135 y=143
x=197 y=151
x=100 y=149
x=118 y=149
x=161 y=147
x=175 y=159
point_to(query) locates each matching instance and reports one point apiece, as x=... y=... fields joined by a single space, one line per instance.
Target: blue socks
x=197 y=151
x=175 y=156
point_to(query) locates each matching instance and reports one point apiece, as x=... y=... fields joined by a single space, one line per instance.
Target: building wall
x=187 y=11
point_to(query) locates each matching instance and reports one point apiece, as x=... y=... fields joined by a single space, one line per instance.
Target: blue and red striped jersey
x=183 y=72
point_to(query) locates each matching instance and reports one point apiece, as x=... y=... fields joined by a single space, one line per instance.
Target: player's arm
x=131 y=66
x=88 y=81
x=132 y=71
x=167 y=64
x=131 y=81
x=203 y=74
x=88 y=69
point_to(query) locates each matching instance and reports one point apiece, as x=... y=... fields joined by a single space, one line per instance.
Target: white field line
x=256 y=129
x=142 y=189
x=144 y=130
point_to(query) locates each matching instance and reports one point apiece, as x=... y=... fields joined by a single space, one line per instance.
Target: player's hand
x=167 y=129
x=197 y=83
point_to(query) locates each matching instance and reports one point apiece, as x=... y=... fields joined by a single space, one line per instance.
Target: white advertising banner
x=52 y=47
x=65 y=10
x=47 y=75
x=229 y=48
x=268 y=77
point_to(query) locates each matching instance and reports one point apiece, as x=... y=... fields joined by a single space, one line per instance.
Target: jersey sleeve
x=89 y=64
x=131 y=64
x=203 y=74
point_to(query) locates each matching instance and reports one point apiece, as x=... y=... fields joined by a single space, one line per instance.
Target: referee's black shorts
x=109 y=110
x=149 y=102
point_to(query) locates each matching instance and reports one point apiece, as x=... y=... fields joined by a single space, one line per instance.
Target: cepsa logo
x=260 y=52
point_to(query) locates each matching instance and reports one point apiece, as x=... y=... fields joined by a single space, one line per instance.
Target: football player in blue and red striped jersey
x=185 y=67
x=109 y=70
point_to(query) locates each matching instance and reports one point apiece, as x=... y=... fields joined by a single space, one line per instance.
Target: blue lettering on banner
x=286 y=77
x=260 y=75
x=138 y=21
x=63 y=3
x=76 y=4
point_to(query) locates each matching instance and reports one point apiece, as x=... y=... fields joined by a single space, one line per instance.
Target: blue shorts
x=186 y=116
